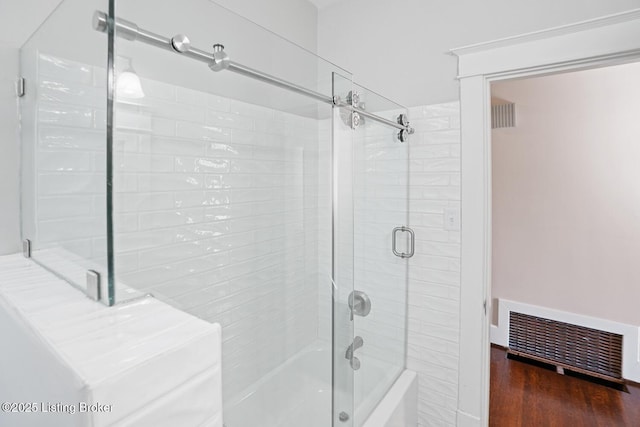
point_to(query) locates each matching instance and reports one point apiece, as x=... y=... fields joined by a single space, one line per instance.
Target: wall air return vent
x=572 y=347
x=503 y=116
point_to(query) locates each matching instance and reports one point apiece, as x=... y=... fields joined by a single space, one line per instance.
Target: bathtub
x=298 y=393
x=399 y=407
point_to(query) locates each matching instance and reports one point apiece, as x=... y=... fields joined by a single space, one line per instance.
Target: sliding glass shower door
x=372 y=243
x=343 y=250
x=382 y=245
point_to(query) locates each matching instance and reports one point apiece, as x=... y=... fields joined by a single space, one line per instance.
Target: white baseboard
x=467 y=420
x=496 y=337
x=499 y=334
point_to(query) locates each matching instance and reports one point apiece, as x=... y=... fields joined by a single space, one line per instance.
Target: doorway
x=565 y=238
x=605 y=41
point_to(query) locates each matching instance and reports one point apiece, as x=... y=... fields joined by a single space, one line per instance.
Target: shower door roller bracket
x=412 y=242
x=353 y=99
x=403 y=134
x=355 y=120
x=350 y=116
x=359 y=304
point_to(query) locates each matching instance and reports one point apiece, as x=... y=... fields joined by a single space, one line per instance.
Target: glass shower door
x=371 y=247
x=382 y=245
x=342 y=254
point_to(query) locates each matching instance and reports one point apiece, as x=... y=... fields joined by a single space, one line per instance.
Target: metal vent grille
x=585 y=350
x=503 y=116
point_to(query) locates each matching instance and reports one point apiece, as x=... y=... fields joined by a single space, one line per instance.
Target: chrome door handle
x=412 y=242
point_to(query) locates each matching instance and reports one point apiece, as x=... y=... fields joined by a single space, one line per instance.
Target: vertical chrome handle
x=412 y=242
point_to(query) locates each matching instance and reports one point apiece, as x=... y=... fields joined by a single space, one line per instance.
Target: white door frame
x=609 y=40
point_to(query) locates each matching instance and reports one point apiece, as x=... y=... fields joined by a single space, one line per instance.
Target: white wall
x=19 y=19
x=566 y=201
x=9 y=152
x=298 y=24
x=399 y=47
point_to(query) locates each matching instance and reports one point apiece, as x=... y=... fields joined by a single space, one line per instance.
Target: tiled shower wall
x=434 y=271
x=219 y=207
x=218 y=214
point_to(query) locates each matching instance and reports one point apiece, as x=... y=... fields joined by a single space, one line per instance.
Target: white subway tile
x=227 y=120
x=163 y=127
x=65 y=115
x=218 y=103
x=67 y=229
x=132 y=120
x=201 y=165
x=125 y=223
x=71 y=183
x=62 y=161
x=64 y=70
x=59 y=92
x=59 y=207
x=202 y=132
x=191 y=97
x=162 y=219
x=169 y=182
x=162 y=145
x=441 y=137
x=51 y=137
x=441 y=165
x=140 y=202
x=174 y=110
x=158 y=90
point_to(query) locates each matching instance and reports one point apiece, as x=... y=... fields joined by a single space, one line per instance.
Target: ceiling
x=21 y=18
x=323 y=3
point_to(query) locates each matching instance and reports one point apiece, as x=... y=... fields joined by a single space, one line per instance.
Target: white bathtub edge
x=399 y=408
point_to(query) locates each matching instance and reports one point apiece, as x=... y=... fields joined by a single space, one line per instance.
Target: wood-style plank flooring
x=523 y=395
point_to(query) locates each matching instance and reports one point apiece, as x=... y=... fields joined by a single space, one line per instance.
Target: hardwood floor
x=523 y=395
